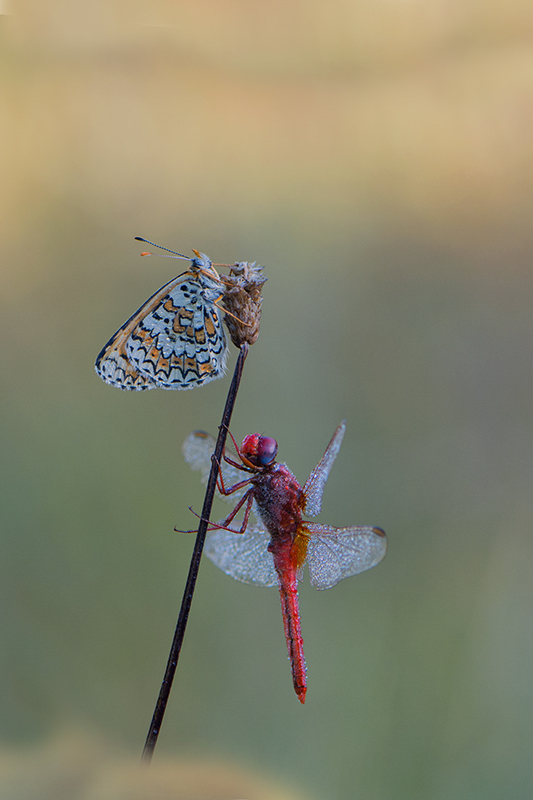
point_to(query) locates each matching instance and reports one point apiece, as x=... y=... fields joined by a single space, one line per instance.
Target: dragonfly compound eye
x=259 y=450
x=266 y=450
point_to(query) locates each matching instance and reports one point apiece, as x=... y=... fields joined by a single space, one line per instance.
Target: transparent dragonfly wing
x=243 y=556
x=337 y=553
x=314 y=487
x=198 y=448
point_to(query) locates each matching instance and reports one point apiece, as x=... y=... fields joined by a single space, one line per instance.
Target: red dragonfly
x=272 y=550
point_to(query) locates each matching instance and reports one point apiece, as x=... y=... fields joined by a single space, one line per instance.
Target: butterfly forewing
x=243 y=556
x=314 y=486
x=174 y=341
x=337 y=553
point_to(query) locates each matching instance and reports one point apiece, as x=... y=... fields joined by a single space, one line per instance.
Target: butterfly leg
x=225 y=311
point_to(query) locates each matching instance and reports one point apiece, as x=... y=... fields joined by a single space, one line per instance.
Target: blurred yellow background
x=376 y=156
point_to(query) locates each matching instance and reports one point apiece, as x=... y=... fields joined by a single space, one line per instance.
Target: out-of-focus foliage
x=376 y=158
x=81 y=767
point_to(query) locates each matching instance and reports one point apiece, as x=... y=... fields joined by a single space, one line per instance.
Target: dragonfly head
x=259 y=451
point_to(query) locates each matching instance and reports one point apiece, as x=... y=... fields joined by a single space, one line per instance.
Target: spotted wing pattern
x=337 y=553
x=174 y=341
x=314 y=487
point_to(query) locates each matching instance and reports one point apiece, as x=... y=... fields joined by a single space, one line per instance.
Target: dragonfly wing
x=337 y=553
x=243 y=556
x=314 y=486
x=198 y=448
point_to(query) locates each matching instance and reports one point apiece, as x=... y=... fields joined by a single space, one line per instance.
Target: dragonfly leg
x=231 y=489
x=245 y=465
x=247 y=510
x=211 y=525
x=229 y=460
x=220 y=480
x=233 y=463
x=247 y=497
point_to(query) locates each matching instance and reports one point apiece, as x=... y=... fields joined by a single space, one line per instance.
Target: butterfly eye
x=266 y=450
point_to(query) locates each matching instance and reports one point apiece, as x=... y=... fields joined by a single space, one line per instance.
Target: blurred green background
x=376 y=157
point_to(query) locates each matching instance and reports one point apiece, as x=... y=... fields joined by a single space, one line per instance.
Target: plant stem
x=159 y=712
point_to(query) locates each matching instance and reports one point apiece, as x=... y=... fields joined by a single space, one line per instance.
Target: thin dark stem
x=159 y=712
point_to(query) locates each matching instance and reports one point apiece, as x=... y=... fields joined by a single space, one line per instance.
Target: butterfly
x=175 y=340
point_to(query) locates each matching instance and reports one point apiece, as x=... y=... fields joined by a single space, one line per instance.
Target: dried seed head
x=242 y=298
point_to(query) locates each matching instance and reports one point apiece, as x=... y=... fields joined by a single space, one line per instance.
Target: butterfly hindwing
x=174 y=341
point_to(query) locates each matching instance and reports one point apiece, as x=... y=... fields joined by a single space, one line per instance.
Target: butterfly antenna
x=175 y=255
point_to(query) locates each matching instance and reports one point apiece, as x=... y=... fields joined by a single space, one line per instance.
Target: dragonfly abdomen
x=288 y=592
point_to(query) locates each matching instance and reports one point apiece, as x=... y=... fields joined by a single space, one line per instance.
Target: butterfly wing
x=181 y=344
x=174 y=341
x=337 y=553
x=113 y=364
x=314 y=486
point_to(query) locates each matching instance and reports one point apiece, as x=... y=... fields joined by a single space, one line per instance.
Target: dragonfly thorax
x=278 y=496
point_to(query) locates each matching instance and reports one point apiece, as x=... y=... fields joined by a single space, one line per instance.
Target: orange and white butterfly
x=173 y=341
